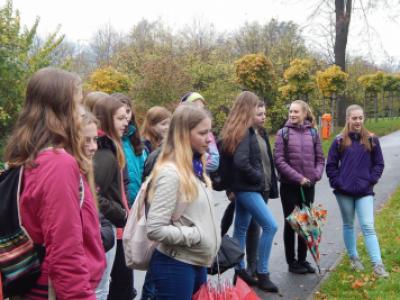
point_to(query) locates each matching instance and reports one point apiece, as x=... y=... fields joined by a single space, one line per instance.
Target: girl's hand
x=305 y=182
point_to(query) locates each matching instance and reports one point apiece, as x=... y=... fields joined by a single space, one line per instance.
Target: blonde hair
x=178 y=151
x=307 y=109
x=365 y=135
x=239 y=120
x=87 y=119
x=154 y=115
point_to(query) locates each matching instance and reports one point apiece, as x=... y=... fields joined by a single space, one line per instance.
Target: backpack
x=20 y=258
x=138 y=247
x=285 y=136
x=222 y=178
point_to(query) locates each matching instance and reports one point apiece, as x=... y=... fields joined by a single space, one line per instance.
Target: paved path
x=298 y=287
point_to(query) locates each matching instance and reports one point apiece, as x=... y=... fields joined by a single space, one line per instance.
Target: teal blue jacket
x=134 y=165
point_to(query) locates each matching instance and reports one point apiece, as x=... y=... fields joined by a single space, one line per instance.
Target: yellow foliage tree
x=300 y=83
x=254 y=72
x=331 y=81
x=108 y=80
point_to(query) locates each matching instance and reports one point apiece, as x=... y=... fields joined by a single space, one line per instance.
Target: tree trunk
x=343 y=15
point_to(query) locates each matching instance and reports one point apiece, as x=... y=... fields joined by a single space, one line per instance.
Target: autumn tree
x=108 y=80
x=20 y=56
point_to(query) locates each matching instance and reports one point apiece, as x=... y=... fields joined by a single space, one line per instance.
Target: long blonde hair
x=239 y=120
x=87 y=119
x=365 y=135
x=49 y=117
x=307 y=109
x=178 y=151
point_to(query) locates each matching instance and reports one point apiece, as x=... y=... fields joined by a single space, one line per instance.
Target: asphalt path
x=293 y=286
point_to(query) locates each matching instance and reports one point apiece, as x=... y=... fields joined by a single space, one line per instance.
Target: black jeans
x=121 y=286
x=253 y=235
x=290 y=197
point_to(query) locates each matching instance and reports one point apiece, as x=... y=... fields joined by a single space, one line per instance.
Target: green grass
x=343 y=283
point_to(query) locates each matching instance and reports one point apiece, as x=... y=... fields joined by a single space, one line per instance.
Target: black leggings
x=290 y=197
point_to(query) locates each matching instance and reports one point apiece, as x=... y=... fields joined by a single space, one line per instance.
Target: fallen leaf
x=357 y=284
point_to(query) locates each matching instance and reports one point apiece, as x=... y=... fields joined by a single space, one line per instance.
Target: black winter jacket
x=247 y=169
x=107 y=233
x=107 y=176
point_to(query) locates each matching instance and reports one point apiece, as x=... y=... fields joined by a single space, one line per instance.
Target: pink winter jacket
x=51 y=213
x=303 y=159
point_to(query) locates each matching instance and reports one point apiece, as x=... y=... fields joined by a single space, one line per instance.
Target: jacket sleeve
x=105 y=171
x=107 y=233
x=163 y=203
x=377 y=162
x=319 y=159
x=212 y=156
x=332 y=164
x=61 y=224
x=241 y=161
x=284 y=169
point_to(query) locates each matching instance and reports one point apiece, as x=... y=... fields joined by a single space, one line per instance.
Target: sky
x=79 y=19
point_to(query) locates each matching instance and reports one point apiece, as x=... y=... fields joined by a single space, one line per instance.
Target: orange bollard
x=326 y=126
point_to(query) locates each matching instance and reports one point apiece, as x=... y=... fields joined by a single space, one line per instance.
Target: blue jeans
x=364 y=207
x=248 y=205
x=175 y=280
x=104 y=285
x=149 y=289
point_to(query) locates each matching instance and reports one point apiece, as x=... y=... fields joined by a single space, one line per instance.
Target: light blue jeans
x=364 y=207
x=248 y=205
x=104 y=285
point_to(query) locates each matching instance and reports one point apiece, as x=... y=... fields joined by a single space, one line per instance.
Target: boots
x=265 y=284
x=246 y=277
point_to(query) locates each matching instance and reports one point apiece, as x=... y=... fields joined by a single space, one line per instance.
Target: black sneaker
x=246 y=277
x=307 y=265
x=297 y=268
x=265 y=283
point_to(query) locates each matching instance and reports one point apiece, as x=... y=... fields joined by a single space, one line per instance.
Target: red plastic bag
x=241 y=291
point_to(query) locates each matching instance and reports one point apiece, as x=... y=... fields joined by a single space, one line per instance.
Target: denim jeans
x=149 y=289
x=104 y=285
x=364 y=207
x=248 y=205
x=175 y=280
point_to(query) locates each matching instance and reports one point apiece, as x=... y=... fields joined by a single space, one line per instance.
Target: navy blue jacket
x=354 y=171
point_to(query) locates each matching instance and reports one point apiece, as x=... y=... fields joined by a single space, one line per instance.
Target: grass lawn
x=344 y=283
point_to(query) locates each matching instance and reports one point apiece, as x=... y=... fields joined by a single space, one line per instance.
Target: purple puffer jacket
x=303 y=162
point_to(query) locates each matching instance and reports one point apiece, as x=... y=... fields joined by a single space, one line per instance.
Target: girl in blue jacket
x=354 y=166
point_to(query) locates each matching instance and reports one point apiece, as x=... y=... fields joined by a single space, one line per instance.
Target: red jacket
x=51 y=213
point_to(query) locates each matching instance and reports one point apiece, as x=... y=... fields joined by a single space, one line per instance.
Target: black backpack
x=222 y=178
x=20 y=258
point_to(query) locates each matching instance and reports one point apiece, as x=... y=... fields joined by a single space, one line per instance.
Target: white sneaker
x=380 y=271
x=356 y=264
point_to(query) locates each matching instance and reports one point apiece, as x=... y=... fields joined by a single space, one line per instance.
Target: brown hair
x=92 y=98
x=104 y=111
x=239 y=120
x=365 y=135
x=49 y=117
x=135 y=139
x=154 y=115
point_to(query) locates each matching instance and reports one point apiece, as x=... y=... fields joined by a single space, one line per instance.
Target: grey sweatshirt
x=194 y=237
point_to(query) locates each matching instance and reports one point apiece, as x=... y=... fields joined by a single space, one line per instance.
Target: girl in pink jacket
x=56 y=205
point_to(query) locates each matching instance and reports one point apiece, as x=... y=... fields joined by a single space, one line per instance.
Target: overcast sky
x=79 y=19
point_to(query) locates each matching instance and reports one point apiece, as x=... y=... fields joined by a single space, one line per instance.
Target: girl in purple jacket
x=300 y=163
x=354 y=166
